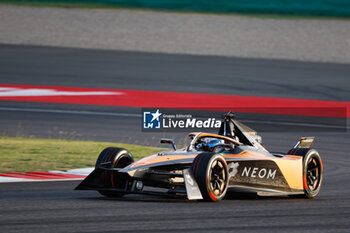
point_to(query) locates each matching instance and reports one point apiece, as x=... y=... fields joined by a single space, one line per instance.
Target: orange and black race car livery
x=234 y=159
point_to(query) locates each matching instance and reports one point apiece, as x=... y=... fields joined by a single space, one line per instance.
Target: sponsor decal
x=261 y=173
x=178 y=120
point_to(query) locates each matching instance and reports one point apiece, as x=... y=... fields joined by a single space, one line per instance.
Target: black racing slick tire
x=312 y=174
x=113 y=157
x=211 y=173
x=312 y=171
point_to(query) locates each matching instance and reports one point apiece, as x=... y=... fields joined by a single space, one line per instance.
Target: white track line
x=79 y=171
x=4 y=179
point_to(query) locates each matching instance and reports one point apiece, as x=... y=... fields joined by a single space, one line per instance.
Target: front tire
x=113 y=157
x=211 y=173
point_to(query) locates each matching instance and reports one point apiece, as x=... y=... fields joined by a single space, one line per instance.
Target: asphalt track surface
x=168 y=72
x=55 y=207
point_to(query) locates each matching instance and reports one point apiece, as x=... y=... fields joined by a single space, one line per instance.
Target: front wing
x=153 y=183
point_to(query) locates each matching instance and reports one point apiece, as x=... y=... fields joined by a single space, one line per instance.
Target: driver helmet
x=214 y=143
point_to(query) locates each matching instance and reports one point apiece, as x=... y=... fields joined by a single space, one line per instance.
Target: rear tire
x=116 y=158
x=312 y=171
x=312 y=174
x=211 y=173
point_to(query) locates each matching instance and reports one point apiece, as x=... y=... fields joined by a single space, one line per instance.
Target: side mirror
x=168 y=141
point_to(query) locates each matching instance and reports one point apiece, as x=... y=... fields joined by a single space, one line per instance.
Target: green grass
x=91 y=5
x=28 y=154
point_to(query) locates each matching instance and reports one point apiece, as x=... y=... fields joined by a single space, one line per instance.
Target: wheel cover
x=313 y=175
x=217 y=177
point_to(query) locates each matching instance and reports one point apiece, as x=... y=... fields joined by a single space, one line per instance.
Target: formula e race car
x=234 y=159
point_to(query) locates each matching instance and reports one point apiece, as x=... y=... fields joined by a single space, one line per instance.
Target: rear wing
x=305 y=142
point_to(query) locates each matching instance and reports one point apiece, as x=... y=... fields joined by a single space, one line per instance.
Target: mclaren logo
x=259 y=172
x=233 y=169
